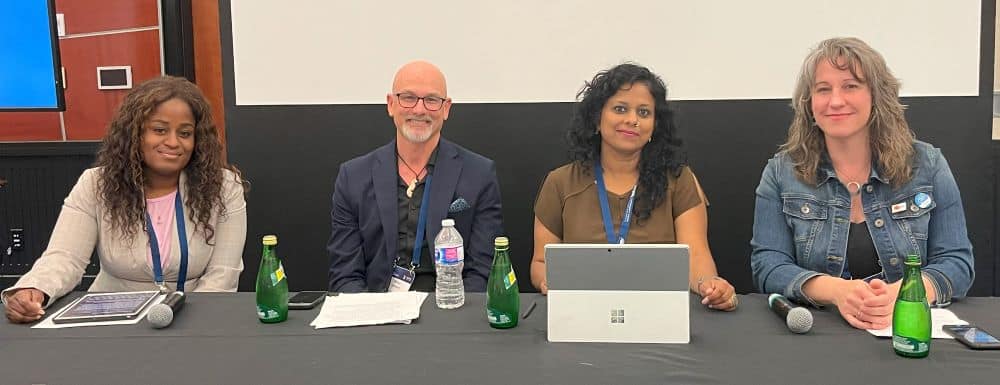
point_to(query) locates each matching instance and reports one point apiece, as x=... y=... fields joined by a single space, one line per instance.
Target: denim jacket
x=800 y=230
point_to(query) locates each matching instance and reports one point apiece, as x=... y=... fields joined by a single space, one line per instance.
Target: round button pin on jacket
x=922 y=200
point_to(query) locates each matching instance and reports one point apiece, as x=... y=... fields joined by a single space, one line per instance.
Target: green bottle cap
x=501 y=241
x=270 y=240
x=912 y=259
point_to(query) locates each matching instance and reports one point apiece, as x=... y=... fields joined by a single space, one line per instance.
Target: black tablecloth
x=216 y=338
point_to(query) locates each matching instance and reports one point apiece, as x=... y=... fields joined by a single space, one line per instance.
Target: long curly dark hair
x=121 y=181
x=661 y=157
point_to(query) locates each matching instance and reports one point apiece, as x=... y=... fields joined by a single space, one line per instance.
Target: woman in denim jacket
x=852 y=193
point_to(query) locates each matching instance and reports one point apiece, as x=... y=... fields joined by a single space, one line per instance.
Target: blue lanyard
x=421 y=224
x=154 y=246
x=602 y=195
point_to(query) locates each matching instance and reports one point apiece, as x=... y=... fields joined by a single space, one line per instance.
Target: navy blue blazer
x=365 y=219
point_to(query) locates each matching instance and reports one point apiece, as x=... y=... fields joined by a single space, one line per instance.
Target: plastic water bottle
x=449 y=259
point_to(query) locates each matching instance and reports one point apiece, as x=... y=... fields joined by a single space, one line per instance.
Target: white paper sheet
x=939 y=317
x=48 y=324
x=369 y=309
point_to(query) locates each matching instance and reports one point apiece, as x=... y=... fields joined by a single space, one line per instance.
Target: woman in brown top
x=623 y=141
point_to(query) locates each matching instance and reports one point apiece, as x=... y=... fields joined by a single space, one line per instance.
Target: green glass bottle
x=503 y=301
x=272 y=285
x=911 y=317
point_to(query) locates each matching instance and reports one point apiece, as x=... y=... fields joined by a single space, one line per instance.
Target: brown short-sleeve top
x=567 y=205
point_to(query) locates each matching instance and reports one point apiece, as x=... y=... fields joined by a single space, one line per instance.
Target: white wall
x=345 y=52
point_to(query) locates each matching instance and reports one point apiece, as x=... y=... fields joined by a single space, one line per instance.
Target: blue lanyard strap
x=602 y=196
x=421 y=224
x=154 y=245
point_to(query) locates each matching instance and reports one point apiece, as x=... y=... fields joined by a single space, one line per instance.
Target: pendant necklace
x=416 y=178
x=853 y=186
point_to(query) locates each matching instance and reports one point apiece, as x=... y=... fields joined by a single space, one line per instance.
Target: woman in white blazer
x=160 y=197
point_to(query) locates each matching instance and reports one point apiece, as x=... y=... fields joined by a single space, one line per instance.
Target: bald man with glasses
x=381 y=198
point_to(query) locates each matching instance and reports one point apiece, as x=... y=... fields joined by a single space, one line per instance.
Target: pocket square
x=458 y=205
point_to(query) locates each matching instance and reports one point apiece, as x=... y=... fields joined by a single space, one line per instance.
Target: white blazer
x=83 y=225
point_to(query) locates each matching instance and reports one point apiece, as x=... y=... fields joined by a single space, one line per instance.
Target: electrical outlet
x=16 y=239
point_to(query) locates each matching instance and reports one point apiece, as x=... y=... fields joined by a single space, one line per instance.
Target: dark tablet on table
x=95 y=307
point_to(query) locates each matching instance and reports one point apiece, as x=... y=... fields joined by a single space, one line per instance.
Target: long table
x=216 y=339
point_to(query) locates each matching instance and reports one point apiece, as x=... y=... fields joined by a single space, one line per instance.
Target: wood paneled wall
x=207 y=58
x=98 y=33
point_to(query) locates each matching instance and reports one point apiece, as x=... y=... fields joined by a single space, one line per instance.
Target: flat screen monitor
x=30 y=72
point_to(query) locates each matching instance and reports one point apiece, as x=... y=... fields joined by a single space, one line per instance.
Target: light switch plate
x=61 y=24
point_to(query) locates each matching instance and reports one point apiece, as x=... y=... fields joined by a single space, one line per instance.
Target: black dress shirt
x=409 y=213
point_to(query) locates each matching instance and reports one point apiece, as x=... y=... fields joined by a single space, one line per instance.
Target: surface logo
x=617 y=316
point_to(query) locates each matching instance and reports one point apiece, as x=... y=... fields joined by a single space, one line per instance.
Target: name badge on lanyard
x=402 y=278
x=154 y=246
x=602 y=196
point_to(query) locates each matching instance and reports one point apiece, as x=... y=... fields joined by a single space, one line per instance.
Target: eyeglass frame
x=421 y=99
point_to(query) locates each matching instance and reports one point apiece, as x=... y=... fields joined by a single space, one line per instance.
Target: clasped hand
x=718 y=294
x=867 y=305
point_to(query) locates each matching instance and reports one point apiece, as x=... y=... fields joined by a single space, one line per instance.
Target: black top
x=862 y=259
x=409 y=213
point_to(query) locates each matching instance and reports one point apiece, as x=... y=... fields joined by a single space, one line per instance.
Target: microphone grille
x=160 y=316
x=799 y=320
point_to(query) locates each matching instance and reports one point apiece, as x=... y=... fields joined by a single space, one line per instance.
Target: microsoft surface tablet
x=618 y=293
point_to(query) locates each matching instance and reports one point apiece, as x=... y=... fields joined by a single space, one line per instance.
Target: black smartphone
x=972 y=336
x=305 y=299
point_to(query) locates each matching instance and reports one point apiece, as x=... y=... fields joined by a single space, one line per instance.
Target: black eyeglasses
x=431 y=103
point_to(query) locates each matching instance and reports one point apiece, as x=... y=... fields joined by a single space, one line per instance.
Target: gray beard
x=414 y=137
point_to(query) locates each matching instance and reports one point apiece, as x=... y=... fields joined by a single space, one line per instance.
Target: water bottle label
x=278 y=275
x=449 y=255
x=496 y=317
x=909 y=345
x=266 y=314
x=510 y=279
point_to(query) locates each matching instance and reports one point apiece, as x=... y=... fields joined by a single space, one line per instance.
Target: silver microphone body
x=798 y=319
x=161 y=315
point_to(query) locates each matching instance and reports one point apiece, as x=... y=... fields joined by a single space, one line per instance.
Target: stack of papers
x=369 y=309
x=939 y=317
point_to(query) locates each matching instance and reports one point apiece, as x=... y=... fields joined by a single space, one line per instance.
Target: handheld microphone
x=798 y=319
x=162 y=314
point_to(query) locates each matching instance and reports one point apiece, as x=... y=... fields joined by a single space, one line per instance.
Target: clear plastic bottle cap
x=447 y=222
x=270 y=240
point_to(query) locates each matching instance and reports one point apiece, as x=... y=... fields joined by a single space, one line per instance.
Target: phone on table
x=305 y=299
x=972 y=336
